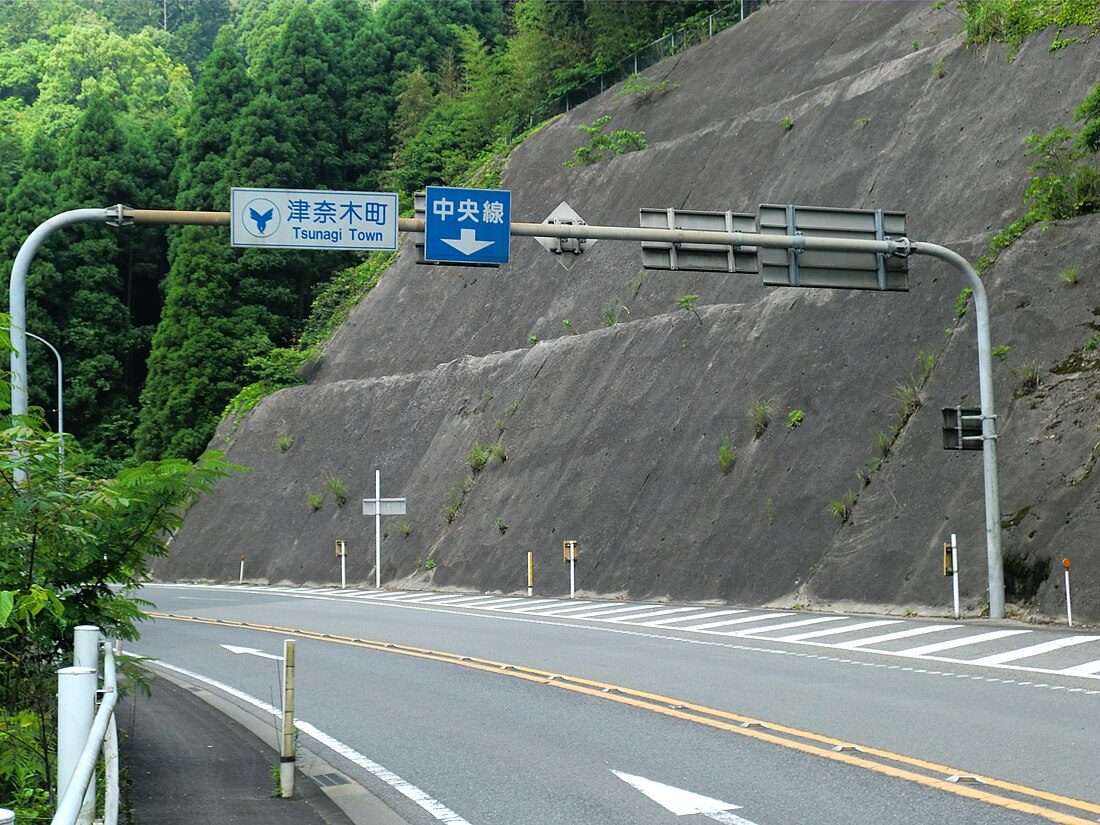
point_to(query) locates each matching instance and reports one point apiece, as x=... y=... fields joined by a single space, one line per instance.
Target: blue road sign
x=467 y=226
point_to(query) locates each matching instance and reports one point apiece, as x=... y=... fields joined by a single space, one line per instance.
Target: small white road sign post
x=569 y=551
x=342 y=553
x=379 y=507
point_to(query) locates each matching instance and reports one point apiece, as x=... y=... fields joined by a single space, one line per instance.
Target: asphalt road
x=493 y=741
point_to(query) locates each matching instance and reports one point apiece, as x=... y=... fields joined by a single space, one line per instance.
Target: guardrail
x=84 y=732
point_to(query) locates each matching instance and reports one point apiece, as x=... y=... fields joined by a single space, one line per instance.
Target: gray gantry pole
x=994 y=555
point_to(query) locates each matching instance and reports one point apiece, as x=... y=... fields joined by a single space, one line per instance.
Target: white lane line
x=1087 y=669
x=1035 y=650
x=711 y=615
x=349 y=592
x=976 y=639
x=900 y=634
x=652 y=614
x=754 y=618
x=788 y=625
x=437 y=809
x=836 y=631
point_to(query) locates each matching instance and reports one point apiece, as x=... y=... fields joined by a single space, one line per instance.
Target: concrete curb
x=351 y=801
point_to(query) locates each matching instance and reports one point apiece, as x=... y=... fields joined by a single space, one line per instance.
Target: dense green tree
x=88 y=298
x=367 y=109
x=303 y=81
x=203 y=340
x=223 y=91
x=192 y=24
x=550 y=39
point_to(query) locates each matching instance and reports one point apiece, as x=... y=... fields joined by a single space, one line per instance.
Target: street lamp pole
x=60 y=394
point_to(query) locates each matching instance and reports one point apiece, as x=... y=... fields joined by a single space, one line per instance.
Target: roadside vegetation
x=73 y=550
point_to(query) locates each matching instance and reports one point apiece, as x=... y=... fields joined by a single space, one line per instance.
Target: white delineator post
x=1066 y=563
x=286 y=755
x=240 y=580
x=955 y=573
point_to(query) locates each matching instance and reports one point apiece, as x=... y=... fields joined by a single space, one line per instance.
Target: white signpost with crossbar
x=379 y=507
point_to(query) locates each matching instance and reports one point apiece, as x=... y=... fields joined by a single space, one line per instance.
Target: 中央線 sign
x=467 y=225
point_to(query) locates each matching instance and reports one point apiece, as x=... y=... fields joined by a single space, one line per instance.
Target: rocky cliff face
x=611 y=432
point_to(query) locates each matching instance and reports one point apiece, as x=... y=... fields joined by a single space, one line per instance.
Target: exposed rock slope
x=612 y=432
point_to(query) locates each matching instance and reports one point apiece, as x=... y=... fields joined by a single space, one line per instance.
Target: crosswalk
x=1039 y=649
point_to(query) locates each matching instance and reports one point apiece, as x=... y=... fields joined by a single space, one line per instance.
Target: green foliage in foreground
x=73 y=549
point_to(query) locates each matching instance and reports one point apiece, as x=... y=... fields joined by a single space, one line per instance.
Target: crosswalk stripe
x=1035 y=650
x=540 y=605
x=499 y=603
x=533 y=604
x=924 y=650
x=900 y=634
x=758 y=617
x=562 y=611
x=789 y=625
x=710 y=615
x=615 y=611
x=836 y=631
x=664 y=612
x=469 y=600
x=1087 y=669
x=403 y=597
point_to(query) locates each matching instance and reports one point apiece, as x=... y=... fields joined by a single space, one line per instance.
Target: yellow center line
x=690 y=712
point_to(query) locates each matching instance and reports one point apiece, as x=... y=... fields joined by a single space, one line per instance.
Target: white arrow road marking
x=251 y=651
x=684 y=803
x=466 y=243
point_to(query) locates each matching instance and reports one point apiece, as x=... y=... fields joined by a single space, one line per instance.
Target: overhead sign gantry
x=475 y=225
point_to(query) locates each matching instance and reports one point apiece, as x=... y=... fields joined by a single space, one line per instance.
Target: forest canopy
x=171 y=103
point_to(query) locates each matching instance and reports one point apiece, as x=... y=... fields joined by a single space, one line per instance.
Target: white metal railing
x=84 y=732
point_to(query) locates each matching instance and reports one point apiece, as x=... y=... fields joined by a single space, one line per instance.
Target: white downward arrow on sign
x=683 y=803
x=251 y=651
x=466 y=243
